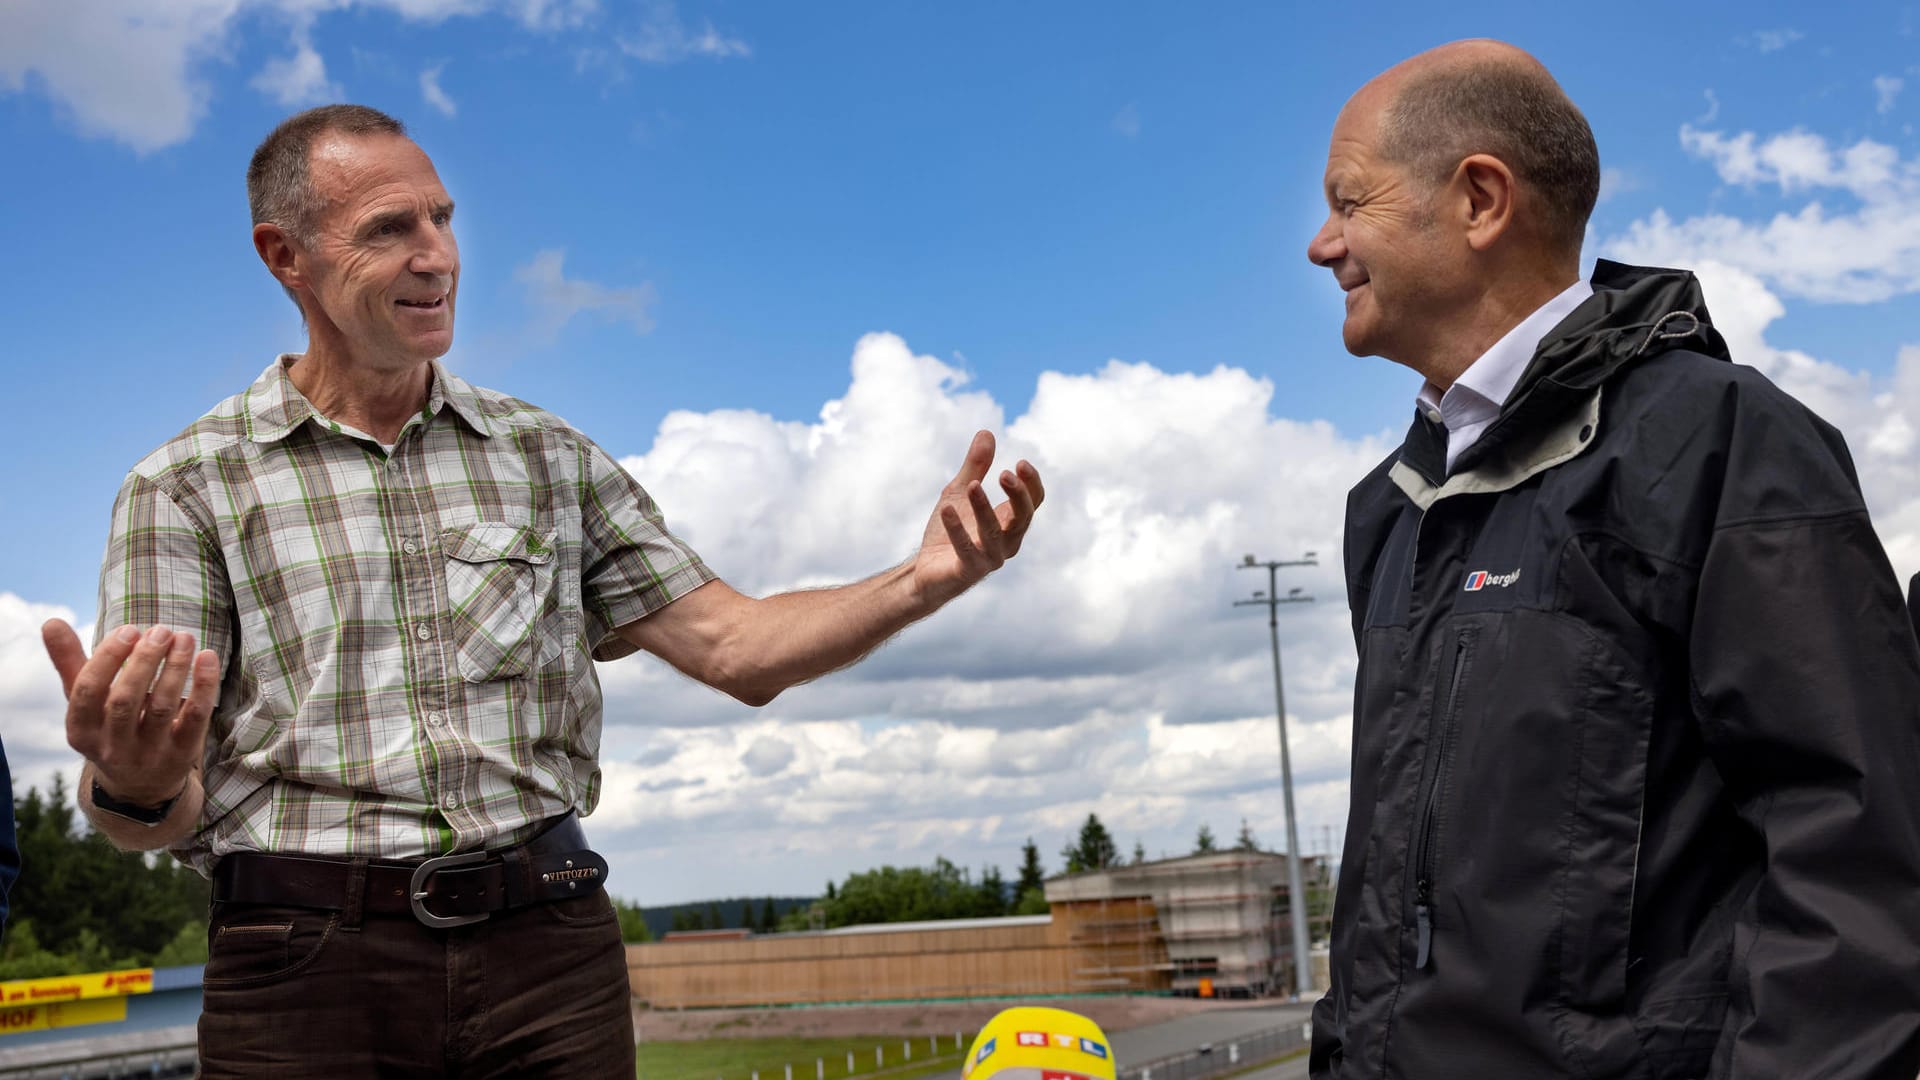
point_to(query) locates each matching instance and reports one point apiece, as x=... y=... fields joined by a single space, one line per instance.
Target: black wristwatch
x=145 y=815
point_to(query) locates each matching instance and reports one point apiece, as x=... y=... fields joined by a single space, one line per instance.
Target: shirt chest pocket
x=499 y=580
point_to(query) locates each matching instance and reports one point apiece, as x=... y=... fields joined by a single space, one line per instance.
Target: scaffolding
x=1219 y=922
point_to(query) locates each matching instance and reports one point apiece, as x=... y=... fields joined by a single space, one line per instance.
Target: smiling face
x=1385 y=242
x=381 y=268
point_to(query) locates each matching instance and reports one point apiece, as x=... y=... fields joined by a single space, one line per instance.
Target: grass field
x=812 y=1059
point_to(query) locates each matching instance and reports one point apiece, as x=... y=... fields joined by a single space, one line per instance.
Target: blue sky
x=706 y=207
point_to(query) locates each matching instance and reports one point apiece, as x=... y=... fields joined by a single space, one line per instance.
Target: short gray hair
x=279 y=182
x=1516 y=113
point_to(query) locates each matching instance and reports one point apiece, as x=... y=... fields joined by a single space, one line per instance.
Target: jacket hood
x=1634 y=312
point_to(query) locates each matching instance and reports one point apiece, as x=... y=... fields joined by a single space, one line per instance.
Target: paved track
x=1219 y=1028
x=1290 y=1069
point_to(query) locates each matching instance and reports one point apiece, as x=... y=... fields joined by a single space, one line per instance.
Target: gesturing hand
x=142 y=737
x=968 y=537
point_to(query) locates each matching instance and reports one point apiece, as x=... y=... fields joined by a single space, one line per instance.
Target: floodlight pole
x=1296 y=890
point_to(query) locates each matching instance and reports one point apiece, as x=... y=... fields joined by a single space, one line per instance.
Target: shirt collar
x=275 y=407
x=450 y=389
x=1489 y=379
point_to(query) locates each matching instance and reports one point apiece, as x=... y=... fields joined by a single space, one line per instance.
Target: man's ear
x=282 y=255
x=1489 y=190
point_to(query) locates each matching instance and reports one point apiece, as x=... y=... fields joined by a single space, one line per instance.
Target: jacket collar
x=274 y=408
x=1634 y=312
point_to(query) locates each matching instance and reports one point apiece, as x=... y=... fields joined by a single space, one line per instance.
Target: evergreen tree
x=768 y=920
x=83 y=904
x=714 y=919
x=1095 y=849
x=1204 y=842
x=1032 y=875
x=1245 y=841
x=993 y=893
x=1139 y=853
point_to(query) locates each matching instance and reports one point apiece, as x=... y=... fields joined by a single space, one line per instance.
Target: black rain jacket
x=1636 y=741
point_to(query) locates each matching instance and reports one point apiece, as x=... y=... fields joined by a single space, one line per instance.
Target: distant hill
x=731 y=913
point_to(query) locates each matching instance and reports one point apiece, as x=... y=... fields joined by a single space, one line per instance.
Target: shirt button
x=410 y=548
x=433 y=718
x=423 y=632
x=452 y=802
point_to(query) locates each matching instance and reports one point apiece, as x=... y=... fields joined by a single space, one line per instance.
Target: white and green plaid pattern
x=406 y=641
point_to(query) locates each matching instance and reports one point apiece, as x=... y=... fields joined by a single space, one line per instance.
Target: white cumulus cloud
x=137 y=71
x=123 y=70
x=1863 y=249
x=1770 y=41
x=297 y=80
x=557 y=298
x=431 y=91
x=663 y=38
x=1886 y=91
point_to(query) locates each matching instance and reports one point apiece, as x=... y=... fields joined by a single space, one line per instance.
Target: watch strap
x=145 y=815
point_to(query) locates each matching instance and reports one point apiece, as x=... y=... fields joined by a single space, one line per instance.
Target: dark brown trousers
x=292 y=993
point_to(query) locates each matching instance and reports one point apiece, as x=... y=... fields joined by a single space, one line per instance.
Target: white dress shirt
x=1473 y=402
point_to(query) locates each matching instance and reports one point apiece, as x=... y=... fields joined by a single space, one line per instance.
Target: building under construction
x=1217 y=920
x=1211 y=923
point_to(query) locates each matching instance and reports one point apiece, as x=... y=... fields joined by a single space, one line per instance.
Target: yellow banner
x=98 y=984
x=15 y=1019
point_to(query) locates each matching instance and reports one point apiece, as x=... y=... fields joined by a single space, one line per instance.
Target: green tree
x=189 y=946
x=802 y=918
x=911 y=894
x=768 y=920
x=1032 y=876
x=1245 y=841
x=1095 y=849
x=1032 y=902
x=88 y=902
x=714 y=920
x=993 y=893
x=1139 y=853
x=1204 y=842
x=23 y=957
x=633 y=922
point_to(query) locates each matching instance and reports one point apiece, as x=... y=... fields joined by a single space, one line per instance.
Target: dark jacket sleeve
x=1913 y=603
x=9 y=843
x=1806 y=683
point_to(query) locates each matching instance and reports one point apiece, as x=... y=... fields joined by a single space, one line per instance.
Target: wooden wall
x=976 y=961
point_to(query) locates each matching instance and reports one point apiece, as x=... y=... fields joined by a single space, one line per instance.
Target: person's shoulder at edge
x=1711 y=443
x=510 y=413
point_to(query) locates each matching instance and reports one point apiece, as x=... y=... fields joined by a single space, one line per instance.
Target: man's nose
x=1328 y=244
x=436 y=253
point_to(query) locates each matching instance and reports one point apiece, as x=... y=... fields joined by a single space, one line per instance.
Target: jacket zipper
x=1423 y=858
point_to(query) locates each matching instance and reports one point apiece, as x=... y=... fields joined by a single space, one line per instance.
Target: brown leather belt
x=449 y=890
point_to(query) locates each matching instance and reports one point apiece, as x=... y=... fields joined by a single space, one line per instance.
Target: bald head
x=1488 y=97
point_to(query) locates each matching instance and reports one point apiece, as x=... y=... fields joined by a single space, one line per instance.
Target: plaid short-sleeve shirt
x=406 y=638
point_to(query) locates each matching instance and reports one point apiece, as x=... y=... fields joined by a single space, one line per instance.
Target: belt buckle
x=417 y=892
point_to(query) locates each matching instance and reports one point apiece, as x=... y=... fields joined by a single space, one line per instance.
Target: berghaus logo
x=1480 y=579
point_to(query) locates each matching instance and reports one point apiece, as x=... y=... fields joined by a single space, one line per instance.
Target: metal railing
x=1227 y=1056
x=157 y=1054
x=149 y=1065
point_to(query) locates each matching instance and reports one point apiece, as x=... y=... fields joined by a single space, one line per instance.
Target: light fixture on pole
x=1296 y=890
